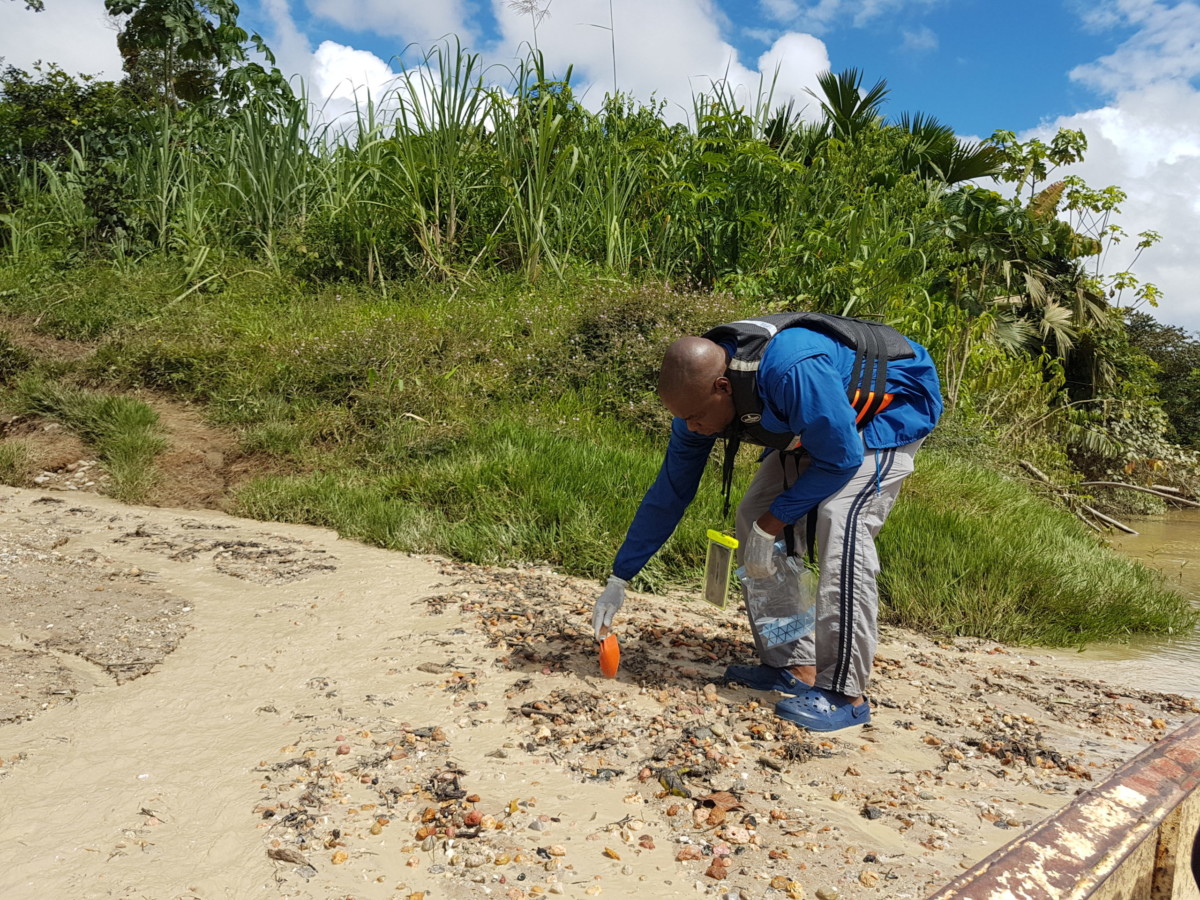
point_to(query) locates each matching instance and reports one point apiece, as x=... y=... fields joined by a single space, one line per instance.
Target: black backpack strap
x=810 y=535
x=732 y=443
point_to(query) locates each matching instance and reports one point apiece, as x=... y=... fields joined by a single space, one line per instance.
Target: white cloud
x=920 y=40
x=798 y=58
x=1146 y=140
x=75 y=34
x=414 y=21
x=343 y=73
x=1166 y=45
x=670 y=49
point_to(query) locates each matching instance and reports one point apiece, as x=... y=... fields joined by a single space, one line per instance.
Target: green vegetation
x=14 y=463
x=124 y=431
x=443 y=321
x=1009 y=565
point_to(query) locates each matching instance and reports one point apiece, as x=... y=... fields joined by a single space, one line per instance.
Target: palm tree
x=847 y=109
x=935 y=153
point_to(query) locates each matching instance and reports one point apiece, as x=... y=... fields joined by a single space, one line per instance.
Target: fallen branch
x=1034 y=471
x=1144 y=490
x=1120 y=526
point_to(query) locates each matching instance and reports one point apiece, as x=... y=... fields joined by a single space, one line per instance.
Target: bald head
x=689 y=368
x=693 y=386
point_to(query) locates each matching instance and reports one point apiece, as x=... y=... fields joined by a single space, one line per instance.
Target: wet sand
x=196 y=706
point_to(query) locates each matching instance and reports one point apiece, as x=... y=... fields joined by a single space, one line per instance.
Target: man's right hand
x=610 y=600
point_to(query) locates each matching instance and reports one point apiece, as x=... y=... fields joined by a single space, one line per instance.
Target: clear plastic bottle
x=782 y=606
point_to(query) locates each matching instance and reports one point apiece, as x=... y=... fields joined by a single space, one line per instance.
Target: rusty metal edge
x=1077 y=848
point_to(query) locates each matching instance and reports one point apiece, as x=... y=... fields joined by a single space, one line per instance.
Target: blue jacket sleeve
x=811 y=399
x=666 y=501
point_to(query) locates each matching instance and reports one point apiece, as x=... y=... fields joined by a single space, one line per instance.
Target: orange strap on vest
x=862 y=408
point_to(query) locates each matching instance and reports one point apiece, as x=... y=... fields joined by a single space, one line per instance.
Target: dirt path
x=196 y=706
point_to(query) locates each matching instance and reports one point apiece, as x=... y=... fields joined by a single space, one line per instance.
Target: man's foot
x=820 y=710
x=765 y=678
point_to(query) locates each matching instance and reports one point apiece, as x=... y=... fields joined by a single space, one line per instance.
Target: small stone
x=735 y=834
x=536 y=825
x=872 y=812
x=827 y=893
x=593 y=891
x=927 y=795
x=779 y=883
x=343 y=749
x=868 y=878
x=339 y=857
x=558 y=850
x=627 y=869
x=688 y=851
x=720 y=868
x=611 y=853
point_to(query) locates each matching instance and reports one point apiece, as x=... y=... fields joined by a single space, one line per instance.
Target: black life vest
x=873 y=344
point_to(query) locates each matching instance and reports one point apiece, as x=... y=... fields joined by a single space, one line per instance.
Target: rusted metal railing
x=1134 y=837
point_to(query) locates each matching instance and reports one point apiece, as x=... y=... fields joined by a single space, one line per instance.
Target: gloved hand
x=758 y=553
x=609 y=602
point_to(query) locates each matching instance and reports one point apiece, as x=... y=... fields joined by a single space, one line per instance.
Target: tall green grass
x=968 y=551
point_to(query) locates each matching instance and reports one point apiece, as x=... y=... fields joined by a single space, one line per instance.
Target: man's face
x=706 y=411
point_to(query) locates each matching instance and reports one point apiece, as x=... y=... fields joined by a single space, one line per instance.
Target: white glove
x=609 y=602
x=758 y=553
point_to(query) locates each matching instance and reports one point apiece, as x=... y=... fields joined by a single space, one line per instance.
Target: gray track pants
x=842 y=644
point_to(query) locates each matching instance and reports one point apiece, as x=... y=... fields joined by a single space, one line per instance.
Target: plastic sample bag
x=781 y=606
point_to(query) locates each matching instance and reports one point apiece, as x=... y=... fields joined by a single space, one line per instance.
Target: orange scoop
x=610 y=656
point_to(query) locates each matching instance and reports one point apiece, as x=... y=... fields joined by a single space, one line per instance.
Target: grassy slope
x=503 y=423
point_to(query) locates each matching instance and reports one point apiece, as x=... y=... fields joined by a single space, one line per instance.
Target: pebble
x=536 y=825
x=827 y=893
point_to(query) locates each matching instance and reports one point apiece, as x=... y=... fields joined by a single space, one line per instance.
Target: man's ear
x=723 y=386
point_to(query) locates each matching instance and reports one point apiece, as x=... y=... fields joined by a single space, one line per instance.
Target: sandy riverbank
x=204 y=707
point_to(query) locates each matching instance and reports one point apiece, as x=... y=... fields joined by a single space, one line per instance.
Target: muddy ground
x=197 y=706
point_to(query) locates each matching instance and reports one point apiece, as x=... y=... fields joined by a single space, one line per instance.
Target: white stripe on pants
x=842 y=644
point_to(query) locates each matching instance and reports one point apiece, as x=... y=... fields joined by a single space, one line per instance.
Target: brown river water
x=1170 y=544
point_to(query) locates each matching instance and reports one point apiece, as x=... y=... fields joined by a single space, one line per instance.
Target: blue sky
x=979 y=65
x=1127 y=72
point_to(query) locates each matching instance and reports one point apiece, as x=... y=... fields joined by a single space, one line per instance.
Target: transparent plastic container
x=782 y=606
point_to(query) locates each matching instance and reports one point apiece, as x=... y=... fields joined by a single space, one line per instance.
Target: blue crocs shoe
x=765 y=678
x=820 y=710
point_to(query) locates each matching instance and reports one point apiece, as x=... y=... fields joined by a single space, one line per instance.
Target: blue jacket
x=802 y=382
